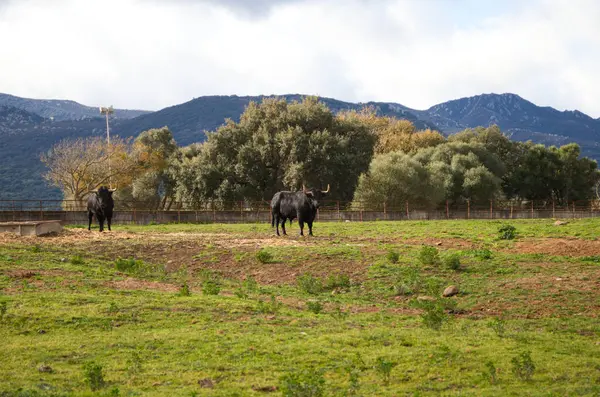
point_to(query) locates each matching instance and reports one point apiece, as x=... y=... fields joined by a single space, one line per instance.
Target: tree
x=395 y=178
x=275 y=146
x=81 y=165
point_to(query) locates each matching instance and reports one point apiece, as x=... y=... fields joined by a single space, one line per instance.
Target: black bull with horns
x=100 y=203
x=302 y=205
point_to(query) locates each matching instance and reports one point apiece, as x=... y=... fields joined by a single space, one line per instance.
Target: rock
x=42 y=331
x=558 y=223
x=423 y=298
x=206 y=383
x=45 y=368
x=438 y=243
x=63 y=259
x=450 y=291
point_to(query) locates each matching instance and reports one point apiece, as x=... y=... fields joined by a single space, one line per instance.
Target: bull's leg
x=301 y=223
x=277 y=223
x=108 y=221
x=310 y=228
x=101 y=222
x=283 y=226
x=90 y=216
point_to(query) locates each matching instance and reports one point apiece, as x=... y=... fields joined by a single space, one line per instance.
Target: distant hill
x=61 y=110
x=26 y=129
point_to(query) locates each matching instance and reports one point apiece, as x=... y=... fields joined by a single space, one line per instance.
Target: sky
x=151 y=54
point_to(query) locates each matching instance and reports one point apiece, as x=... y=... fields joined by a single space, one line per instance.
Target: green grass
x=332 y=312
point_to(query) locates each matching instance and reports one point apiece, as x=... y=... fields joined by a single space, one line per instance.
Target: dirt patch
x=558 y=246
x=136 y=284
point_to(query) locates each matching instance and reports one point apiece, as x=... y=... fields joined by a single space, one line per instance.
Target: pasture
x=226 y=310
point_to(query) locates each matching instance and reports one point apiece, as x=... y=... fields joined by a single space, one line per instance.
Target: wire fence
x=72 y=212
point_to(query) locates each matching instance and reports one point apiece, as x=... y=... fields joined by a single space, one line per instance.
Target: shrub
x=498 y=325
x=315 y=307
x=36 y=248
x=211 y=287
x=270 y=307
x=393 y=256
x=77 y=260
x=482 y=254
x=451 y=261
x=128 y=265
x=337 y=281
x=305 y=383
x=507 y=232
x=429 y=255
x=491 y=373
x=264 y=256
x=3 y=309
x=384 y=368
x=250 y=284
x=92 y=374
x=184 y=290
x=309 y=284
x=433 y=312
x=408 y=281
x=523 y=366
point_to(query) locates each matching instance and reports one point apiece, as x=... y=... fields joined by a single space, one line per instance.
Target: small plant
x=310 y=284
x=523 y=366
x=498 y=325
x=211 y=287
x=134 y=364
x=92 y=374
x=270 y=307
x=240 y=293
x=36 y=248
x=393 y=256
x=353 y=378
x=77 y=260
x=482 y=254
x=250 y=284
x=127 y=265
x=3 y=309
x=429 y=255
x=305 y=383
x=452 y=261
x=315 y=307
x=434 y=314
x=338 y=313
x=384 y=368
x=113 y=308
x=491 y=373
x=408 y=281
x=264 y=256
x=184 y=290
x=337 y=281
x=507 y=232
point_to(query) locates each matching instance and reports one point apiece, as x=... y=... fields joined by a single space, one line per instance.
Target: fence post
x=338 y=211
x=13 y=209
x=573 y=209
x=384 y=212
x=553 y=216
x=468 y=209
x=361 y=212
x=407 y=212
x=447 y=213
x=178 y=215
x=511 y=209
x=491 y=209
x=41 y=211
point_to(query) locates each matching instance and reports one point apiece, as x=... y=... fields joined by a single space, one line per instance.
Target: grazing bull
x=100 y=203
x=290 y=205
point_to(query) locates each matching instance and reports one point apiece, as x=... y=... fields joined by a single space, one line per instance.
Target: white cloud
x=151 y=54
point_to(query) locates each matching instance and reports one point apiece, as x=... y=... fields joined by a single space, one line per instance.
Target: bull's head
x=315 y=195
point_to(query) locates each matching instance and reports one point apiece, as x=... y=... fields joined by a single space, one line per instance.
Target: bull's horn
x=326 y=191
x=112 y=190
x=303 y=188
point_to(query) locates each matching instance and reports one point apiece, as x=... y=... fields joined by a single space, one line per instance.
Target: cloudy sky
x=150 y=54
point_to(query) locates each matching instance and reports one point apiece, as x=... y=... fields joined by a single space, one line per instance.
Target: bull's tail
x=272 y=219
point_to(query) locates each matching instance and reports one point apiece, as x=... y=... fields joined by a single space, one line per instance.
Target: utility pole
x=108 y=111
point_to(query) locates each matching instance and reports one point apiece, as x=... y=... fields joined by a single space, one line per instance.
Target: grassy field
x=226 y=310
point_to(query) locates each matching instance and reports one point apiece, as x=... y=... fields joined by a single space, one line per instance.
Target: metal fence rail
x=71 y=212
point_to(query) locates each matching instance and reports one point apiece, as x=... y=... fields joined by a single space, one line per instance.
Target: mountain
x=26 y=129
x=62 y=109
x=518 y=118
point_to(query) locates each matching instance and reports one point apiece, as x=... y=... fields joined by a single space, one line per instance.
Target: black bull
x=302 y=205
x=100 y=203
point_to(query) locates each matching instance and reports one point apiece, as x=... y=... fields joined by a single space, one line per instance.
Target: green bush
x=310 y=284
x=315 y=307
x=77 y=260
x=384 y=368
x=337 y=281
x=393 y=256
x=92 y=373
x=129 y=265
x=452 y=261
x=270 y=307
x=264 y=256
x=507 y=232
x=211 y=287
x=305 y=383
x=523 y=366
x=184 y=290
x=429 y=255
x=482 y=254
